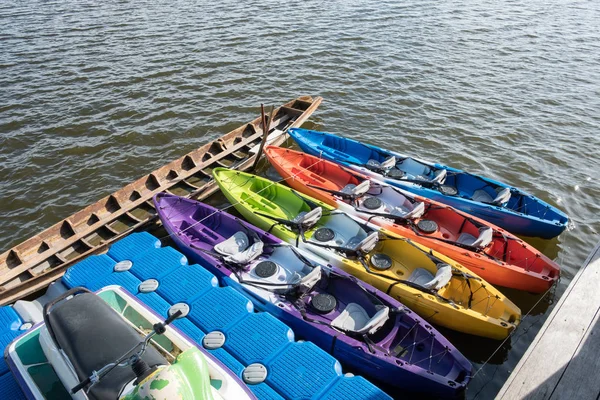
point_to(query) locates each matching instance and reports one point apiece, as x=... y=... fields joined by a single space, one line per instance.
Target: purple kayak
x=361 y=326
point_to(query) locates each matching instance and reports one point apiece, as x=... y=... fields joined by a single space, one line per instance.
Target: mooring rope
x=552 y=287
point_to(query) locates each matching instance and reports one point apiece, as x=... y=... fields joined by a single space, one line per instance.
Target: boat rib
x=33 y=264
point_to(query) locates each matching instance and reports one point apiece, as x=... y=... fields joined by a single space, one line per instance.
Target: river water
x=95 y=94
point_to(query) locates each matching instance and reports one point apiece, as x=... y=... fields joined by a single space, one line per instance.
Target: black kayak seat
x=92 y=335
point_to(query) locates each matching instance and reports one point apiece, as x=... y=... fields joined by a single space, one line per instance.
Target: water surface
x=94 y=95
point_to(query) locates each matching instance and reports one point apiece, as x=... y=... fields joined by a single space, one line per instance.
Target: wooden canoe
x=33 y=264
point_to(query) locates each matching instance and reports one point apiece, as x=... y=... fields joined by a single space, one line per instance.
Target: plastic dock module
x=124 y=279
x=218 y=308
x=353 y=388
x=88 y=271
x=246 y=339
x=155 y=302
x=230 y=361
x=265 y=392
x=157 y=262
x=294 y=370
x=133 y=246
x=186 y=282
x=9 y=388
x=10 y=325
x=188 y=328
x=302 y=371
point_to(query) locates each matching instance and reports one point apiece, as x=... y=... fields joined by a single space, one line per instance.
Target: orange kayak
x=491 y=252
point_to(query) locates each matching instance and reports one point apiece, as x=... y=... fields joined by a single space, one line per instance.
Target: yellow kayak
x=439 y=289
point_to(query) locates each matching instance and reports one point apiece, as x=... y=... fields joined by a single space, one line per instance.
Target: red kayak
x=493 y=253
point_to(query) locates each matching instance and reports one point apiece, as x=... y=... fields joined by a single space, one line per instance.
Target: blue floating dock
x=9 y=388
x=10 y=325
x=296 y=370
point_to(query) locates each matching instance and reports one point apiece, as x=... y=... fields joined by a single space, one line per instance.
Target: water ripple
x=93 y=95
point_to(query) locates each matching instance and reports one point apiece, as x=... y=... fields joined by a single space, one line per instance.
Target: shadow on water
x=549 y=247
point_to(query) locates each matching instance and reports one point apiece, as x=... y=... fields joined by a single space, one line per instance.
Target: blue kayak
x=503 y=205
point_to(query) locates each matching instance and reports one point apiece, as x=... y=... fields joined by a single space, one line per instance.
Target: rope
x=513 y=332
x=525 y=330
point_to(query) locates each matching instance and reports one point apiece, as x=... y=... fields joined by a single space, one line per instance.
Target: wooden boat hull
x=508 y=261
x=33 y=264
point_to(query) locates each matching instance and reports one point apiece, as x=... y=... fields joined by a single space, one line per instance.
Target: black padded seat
x=92 y=335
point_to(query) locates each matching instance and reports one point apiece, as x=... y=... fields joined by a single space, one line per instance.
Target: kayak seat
x=348 y=188
x=368 y=243
x=385 y=165
x=417 y=211
x=415 y=168
x=357 y=190
x=482 y=241
x=423 y=277
x=442 y=277
x=440 y=176
x=502 y=197
x=309 y=280
x=237 y=249
x=354 y=318
x=309 y=219
x=482 y=196
x=92 y=335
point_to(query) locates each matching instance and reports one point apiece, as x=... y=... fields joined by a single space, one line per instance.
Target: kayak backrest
x=502 y=197
x=355 y=319
x=368 y=243
x=485 y=237
x=309 y=219
x=442 y=277
x=416 y=212
x=309 y=280
x=440 y=176
x=238 y=250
